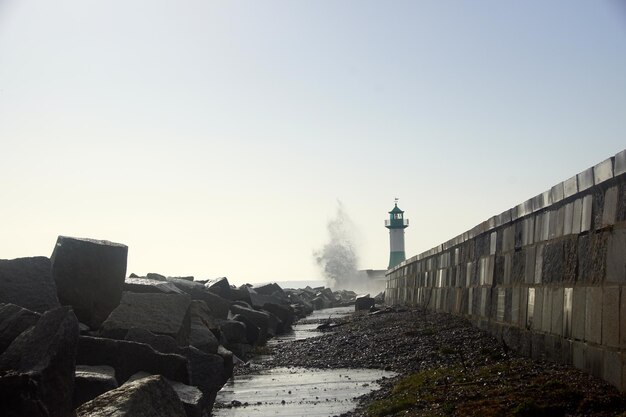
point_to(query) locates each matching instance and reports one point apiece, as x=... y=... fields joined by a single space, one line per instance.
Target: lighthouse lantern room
x=396 y=225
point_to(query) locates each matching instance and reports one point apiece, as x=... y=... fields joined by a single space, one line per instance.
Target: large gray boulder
x=147 y=285
x=128 y=358
x=197 y=291
x=253 y=333
x=45 y=353
x=13 y=321
x=165 y=314
x=91 y=381
x=364 y=302
x=89 y=275
x=160 y=343
x=201 y=335
x=28 y=283
x=284 y=312
x=207 y=372
x=259 y=318
x=234 y=331
x=219 y=286
x=191 y=397
x=146 y=397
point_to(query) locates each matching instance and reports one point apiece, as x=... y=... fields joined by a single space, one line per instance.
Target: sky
x=219 y=138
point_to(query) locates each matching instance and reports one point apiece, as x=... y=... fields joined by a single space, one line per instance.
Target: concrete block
x=545 y=226
x=537 y=309
x=508 y=264
x=538 y=263
x=508 y=239
x=560 y=221
x=585 y=179
x=570 y=265
x=579 y=302
x=612 y=367
x=593 y=361
x=515 y=305
x=538 y=346
x=587 y=209
x=603 y=171
x=622 y=320
x=546 y=310
x=553 y=224
x=553 y=262
x=593 y=315
x=577 y=216
x=567 y=312
x=620 y=165
x=610 y=316
x=578 y=354
x=570 y=186
x=500 y=308
x=529 y=267
x=523 y=308
x=557 y=311
x=528 y=233
x=568 y=215
x=556 y=193
x=610 y=207
x=552 y=345
x=621 y=206
x=567 y=351
x=537 y=232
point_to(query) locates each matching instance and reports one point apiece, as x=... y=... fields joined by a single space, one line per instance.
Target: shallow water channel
x=297 y=392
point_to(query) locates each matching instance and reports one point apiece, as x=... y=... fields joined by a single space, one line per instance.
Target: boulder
x=46 y=353
x=219 y=286
x=259 y=318
x=165 y=314
x=146 y=397
x=191 y=397
x=218 y=305
x=128 y=358
x=145 y=285
x=20 y=396
x=240 y=294
x=202 y=338
x=156 y=277
x=160 y=343
x=253 y=333
x=269 y=289
x=284 y=312
x=229 y=361
x=91 y=381
x=207 y=371
x=364 y=302
x=13 y=321
x=203 y=328
x=234 y=331
x=89 y=276
x=28 y=283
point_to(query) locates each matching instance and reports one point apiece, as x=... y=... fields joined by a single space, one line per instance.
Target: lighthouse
x=396 y=225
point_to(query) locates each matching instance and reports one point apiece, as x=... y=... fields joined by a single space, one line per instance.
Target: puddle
x=298 y=391
x=291 y=392
x=304 y=331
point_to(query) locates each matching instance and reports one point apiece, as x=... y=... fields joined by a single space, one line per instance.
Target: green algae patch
x=509 y=388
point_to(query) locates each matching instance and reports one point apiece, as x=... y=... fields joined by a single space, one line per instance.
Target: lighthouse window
x=399 y=215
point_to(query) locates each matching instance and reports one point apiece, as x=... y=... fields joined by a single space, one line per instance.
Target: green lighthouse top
x=396 y=209
x=396 y=218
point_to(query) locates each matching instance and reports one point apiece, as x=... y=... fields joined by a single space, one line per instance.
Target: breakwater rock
x=77 y=335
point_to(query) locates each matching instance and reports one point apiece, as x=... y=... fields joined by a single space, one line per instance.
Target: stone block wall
x=547 y=277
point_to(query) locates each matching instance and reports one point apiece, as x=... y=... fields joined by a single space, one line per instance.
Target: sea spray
x=338 y=258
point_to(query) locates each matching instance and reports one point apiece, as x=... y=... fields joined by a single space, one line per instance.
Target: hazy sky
x=214 y=138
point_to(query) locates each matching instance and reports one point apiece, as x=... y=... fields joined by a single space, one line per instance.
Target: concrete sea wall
x=547 y=277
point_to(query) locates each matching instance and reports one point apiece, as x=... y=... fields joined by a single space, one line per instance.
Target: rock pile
x=78 y=337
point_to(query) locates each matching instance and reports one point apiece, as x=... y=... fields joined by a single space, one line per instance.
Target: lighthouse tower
x=396 y=225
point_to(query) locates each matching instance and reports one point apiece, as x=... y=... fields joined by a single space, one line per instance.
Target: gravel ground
x=446 y=367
